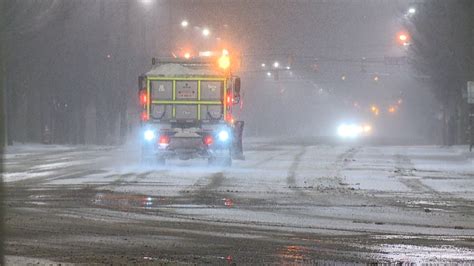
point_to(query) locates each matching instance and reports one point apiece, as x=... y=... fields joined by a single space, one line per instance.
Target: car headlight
x=367 y=128
x=223 y=135
x=149 y=135
x=349 y=131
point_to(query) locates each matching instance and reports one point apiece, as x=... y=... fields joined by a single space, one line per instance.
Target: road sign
x=470 y=92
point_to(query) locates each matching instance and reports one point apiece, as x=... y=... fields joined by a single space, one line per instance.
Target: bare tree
x=26 y=20
x=442 y=43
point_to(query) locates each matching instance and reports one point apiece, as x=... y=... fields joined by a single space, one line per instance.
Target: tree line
x=442 y=49
x=71 y=69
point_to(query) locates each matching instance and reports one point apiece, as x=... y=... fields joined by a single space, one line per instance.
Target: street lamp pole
x=470 y=102
x=2 y=124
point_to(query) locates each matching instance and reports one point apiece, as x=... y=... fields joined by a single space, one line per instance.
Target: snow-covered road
x=298 y=202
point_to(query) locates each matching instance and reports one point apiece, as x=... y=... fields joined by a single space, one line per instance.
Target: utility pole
x=3 y=136
x=3 y=141
x=470 y=102
x=471 y=121
x=470 y=91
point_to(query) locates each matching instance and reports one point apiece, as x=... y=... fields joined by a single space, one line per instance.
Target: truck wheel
x=146 y=156
x=227 y=160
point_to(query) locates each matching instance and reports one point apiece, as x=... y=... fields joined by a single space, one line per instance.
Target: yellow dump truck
x=186 y=111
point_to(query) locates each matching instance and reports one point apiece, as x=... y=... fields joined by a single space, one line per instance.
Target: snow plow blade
x=237 y=148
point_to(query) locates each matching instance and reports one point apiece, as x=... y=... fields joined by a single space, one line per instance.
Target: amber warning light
x=224 y=62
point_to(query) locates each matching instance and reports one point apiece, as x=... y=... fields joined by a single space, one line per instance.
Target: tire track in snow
x=56 y=160
x=207 y=193
x=405 y=169
x=76 y=172
x=268 y=159
x=332 y=180
x=121 y=180
x=291 y=179
x=342 y=161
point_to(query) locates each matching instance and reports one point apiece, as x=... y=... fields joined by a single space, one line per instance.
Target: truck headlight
x=223 y=135
x=149 y=135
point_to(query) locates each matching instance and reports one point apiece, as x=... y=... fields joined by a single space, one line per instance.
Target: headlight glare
x=223 y=135
x=149 y=135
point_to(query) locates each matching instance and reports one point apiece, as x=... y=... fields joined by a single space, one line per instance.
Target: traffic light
x=403 y=38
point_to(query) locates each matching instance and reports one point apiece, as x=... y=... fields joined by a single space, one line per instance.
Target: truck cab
x=186 y=111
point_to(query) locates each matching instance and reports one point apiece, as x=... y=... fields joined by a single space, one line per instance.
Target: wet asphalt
x=285 y=204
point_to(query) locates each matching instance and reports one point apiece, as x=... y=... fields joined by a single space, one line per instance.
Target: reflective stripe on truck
x=175 y=102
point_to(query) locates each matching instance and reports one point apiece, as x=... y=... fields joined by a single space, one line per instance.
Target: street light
x=184 y=23
x=146 y=2
x=375 y=110
x=206 y=32
x=411 y=10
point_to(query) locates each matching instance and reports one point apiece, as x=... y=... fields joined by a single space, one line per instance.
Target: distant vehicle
x=354 y=130
x=186 y=111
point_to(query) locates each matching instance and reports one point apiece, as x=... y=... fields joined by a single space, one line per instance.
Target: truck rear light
x=207 y=140
x=144 y=116
x=164 y=140
x=143 y=97
x=229 y=118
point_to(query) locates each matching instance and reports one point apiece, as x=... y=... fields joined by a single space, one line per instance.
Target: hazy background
x=72 y=66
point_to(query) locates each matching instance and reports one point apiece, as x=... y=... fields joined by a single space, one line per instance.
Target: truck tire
x=228 y=159
x=225 y=160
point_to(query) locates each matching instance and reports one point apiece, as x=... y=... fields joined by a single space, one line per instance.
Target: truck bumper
x=185 y=148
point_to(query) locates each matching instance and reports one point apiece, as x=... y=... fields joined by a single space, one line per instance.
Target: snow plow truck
x=186 y=110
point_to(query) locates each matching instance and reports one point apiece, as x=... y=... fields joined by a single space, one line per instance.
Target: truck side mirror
x=236 y=90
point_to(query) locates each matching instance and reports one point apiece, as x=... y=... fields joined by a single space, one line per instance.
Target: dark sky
x=335 y=28
x=89 y=53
